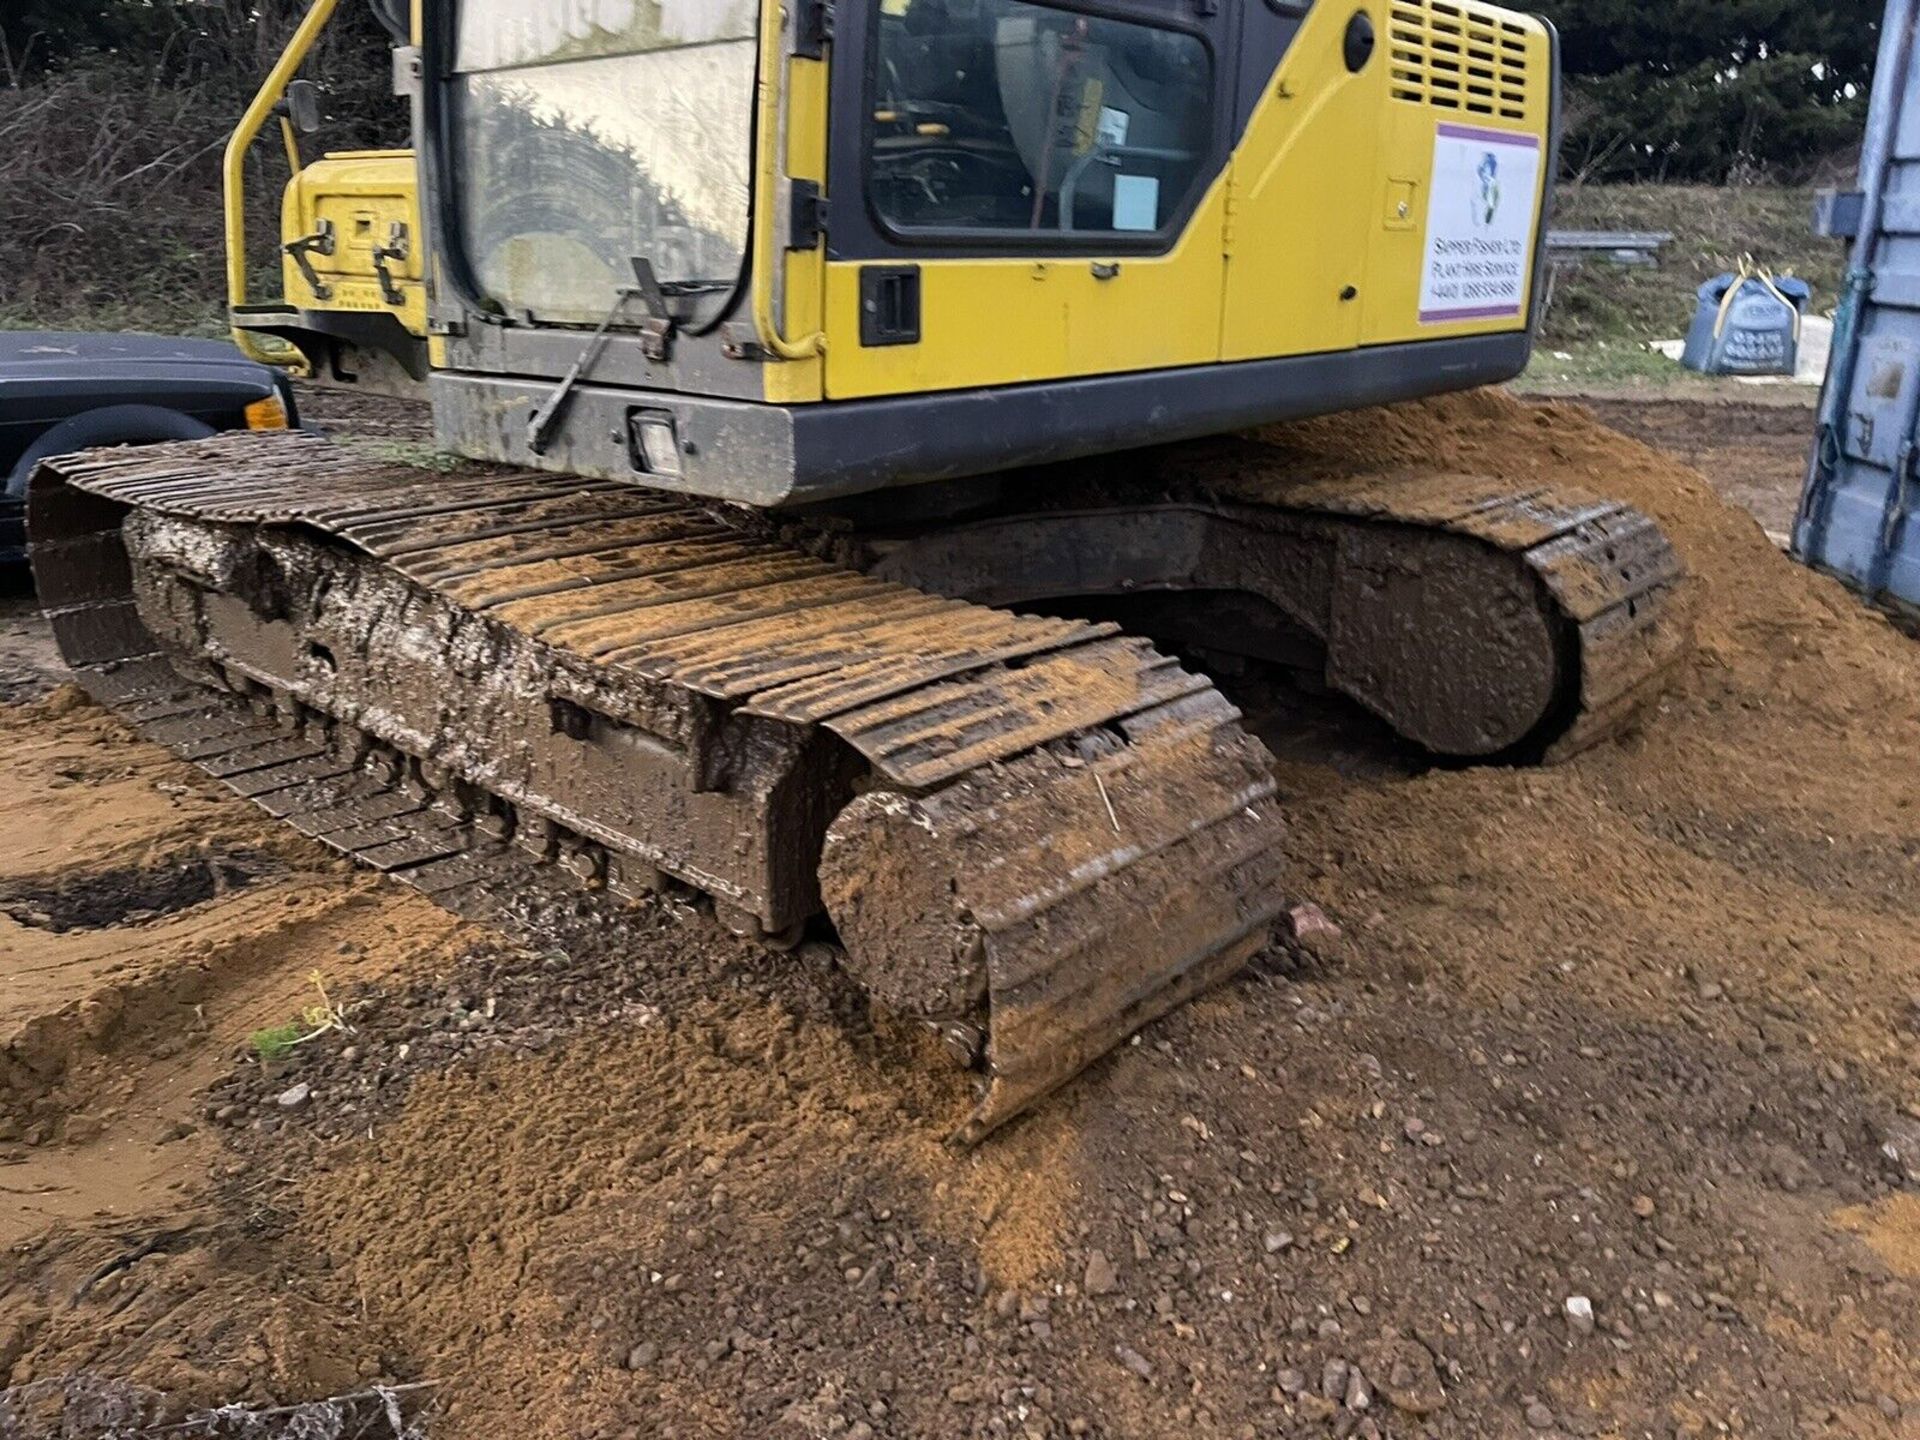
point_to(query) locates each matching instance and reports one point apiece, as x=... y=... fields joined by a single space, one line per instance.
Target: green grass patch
x=119 y=318
x=1605 y=363
x=1712 y=227
x=277 y=1042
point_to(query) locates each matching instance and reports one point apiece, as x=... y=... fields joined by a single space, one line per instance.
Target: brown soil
x=1753 y=454
x=148 y=926
x=1643 y=1029
x=30 y=663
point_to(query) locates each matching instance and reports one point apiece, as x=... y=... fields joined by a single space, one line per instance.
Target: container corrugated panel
x=1860 y=513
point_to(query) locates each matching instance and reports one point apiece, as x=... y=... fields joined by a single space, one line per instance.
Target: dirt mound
x=1602 y=1115
x=148 y=926
x=1749 y=587
x=786 y=1190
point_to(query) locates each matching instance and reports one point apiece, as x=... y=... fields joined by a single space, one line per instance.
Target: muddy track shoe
x=1478 y=619
x=1035 y=834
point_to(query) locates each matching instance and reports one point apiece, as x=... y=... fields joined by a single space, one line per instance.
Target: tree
x=226 y=43
x=1713 y=89
x=114 y=115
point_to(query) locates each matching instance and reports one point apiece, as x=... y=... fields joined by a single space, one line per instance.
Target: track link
x=1478 y=619
x=1036 y=830
x=1602 y=573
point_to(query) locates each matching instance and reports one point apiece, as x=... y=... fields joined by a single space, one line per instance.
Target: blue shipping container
x=1858 y=517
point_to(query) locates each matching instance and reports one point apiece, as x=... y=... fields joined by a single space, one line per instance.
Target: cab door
x=1024 y=191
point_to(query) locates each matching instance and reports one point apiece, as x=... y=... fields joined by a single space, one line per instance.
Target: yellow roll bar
x=272 y=90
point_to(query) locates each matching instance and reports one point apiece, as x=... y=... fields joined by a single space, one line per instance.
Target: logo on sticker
x=1486 y=208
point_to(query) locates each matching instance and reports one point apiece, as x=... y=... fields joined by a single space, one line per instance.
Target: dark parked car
x=65 y=392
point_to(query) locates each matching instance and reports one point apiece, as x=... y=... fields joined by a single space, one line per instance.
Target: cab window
x=1000 y=115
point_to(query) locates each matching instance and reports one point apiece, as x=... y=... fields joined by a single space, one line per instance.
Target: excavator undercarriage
x=1031 y=831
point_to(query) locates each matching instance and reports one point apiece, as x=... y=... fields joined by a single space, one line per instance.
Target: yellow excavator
x=840 y=377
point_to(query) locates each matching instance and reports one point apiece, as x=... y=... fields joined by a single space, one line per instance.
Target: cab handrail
x=272 y=91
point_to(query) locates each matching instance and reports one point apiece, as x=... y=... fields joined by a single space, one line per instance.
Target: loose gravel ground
x=1599 y=1115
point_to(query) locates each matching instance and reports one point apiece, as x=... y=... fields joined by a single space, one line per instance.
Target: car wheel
x=109 y=425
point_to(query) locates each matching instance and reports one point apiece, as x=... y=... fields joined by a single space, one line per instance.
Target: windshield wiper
x=647 y=287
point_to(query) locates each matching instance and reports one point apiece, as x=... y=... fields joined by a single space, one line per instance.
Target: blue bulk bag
x=1747 y=323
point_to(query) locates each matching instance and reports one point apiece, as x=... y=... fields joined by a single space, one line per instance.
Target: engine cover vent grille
x=1457 y=55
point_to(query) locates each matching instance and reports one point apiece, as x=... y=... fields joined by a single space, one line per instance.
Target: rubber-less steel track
x=1603 y=573
x=1037 y=825
x=1035 y=833
x=1476 y=617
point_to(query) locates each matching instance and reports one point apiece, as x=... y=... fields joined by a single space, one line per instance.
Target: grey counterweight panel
x=771 y=455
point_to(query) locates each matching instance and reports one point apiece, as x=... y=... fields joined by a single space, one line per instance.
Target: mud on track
x=1642 y=1029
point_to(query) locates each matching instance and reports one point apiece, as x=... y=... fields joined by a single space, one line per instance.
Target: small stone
x=1539 y=1417
x=1134 y=1361
x=642 y=1356
x=1711 y=990
x=350 y=1054
x=1333 y=1379
x=1359 y=1394
x=1309 y=922
x=1412 y=1387
x=1099 y=1278
x=1643 y=1206
x=296 y=1098
x=1580 y=1314
x=1889 y=1407
x=1277 y=1240
x=1290 y=1381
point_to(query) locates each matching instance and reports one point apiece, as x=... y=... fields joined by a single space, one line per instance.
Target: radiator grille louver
x=1456 y=55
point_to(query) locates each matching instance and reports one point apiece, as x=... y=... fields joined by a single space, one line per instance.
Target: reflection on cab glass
x=1003 y=115
x=596 y=131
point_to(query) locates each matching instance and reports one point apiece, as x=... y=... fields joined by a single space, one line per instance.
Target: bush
x=111 y=139
x=1714 y=90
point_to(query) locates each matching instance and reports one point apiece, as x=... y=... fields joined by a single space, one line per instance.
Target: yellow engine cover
x=357 y=211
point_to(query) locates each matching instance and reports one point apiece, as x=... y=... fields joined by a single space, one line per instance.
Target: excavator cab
x=779 y=253
x=775 y=253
